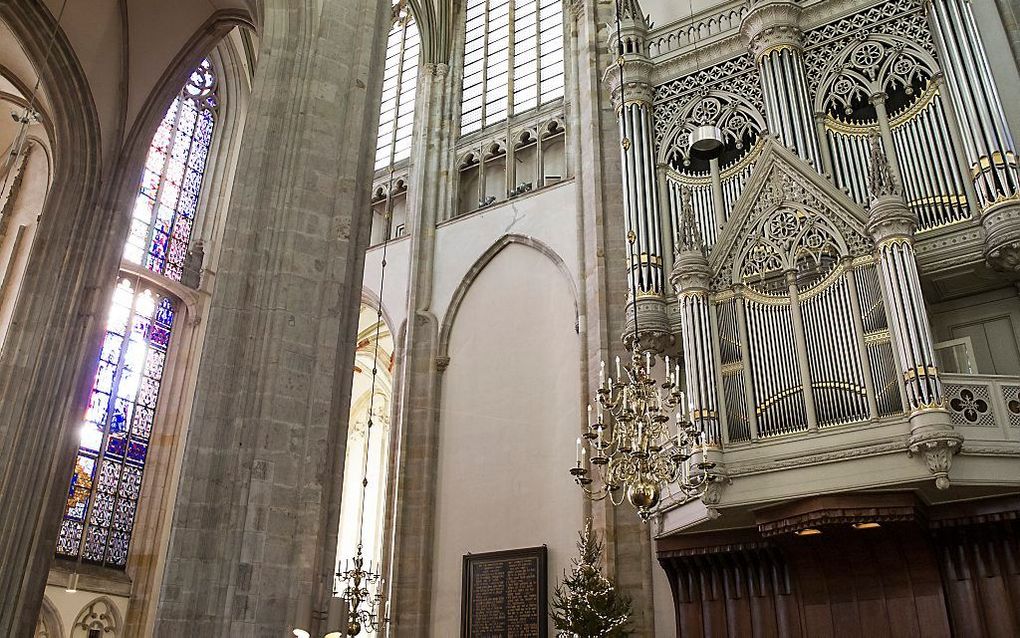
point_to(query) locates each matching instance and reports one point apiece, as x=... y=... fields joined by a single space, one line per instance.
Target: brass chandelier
x=641 y=436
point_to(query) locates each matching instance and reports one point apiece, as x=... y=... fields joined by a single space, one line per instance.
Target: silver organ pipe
x=851 y=156
x=732 y=371
x=837 y=376
x=733 y=178
x=990 y=148
x=931 y=177
x=777 y=379
x=641 y=205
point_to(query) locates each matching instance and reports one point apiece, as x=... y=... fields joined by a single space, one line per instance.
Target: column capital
x=772 y=25
x=636 y=86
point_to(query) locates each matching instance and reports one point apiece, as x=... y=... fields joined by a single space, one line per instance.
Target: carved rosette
x=1001 y=223
x=772 y=25
x=937 y=448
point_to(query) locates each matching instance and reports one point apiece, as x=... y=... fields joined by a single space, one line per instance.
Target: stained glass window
x=117 y=426
x=400 y=81
x=167 y=199
x=513 y=59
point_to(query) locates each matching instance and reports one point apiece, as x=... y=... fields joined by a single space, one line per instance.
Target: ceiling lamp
x=706 y=140
x=706 y=143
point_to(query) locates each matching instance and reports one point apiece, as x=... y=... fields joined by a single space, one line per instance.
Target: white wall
x=509 y=417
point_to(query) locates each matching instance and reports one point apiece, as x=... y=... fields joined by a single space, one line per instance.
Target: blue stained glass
x=142 y=425
x=177 y=251
x=121 y=417
x=154 y=263
x=115 y=447
x=182 y=228
x=132 y=370
x=148 y=392
x=95 y=543
x=160 y=336
x=136 y=452
x=111 y=347
x=165 y=312
x=150 y=184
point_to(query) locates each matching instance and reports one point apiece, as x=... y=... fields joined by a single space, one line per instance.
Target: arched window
x=362 y=520
x=400 y=81
x=103 y=495
x=513 y=59
x=172 y=179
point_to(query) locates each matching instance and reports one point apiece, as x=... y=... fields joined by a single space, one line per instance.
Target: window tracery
x=164 y=211
x=117 y=425
x=513 y=59
x=400 y=83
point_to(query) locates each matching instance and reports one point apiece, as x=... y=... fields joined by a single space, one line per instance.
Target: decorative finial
x=880 y=177
x=689 y=233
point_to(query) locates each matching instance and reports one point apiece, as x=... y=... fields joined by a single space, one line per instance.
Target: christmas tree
x=585 y=604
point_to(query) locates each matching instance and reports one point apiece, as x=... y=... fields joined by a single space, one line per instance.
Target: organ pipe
x=774 y=37
x=989 y=146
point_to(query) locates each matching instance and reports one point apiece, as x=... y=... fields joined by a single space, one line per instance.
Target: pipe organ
x=803 y=332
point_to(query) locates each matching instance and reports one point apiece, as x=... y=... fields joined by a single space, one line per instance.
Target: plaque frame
x=541 y=553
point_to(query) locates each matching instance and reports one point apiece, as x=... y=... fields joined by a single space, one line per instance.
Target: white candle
x=648 y=360
x=602 y=374
x=578 y=451
x=589 y=413
x=618 y=367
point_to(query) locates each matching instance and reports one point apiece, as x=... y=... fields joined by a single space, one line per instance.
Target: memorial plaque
x=505 y=595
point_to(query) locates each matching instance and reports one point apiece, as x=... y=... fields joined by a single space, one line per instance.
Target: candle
x=618 y=367
x=648 y=360
x=578 y=451
x=589 y=413
x=602 y=374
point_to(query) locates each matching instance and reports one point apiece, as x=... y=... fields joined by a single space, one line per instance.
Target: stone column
x=255 y=524
x=891 y=224
x=417 y=421
x=774 y=38
x=629 y=83
x=987 y=141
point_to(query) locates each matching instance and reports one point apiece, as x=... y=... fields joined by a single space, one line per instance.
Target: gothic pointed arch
x=785 y=203
x=472 y=275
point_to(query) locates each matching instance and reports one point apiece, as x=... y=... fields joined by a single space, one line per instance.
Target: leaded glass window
x=167 y=199
x=117 y=426
x=513 y=59
x=400 y=82
x=118 y=422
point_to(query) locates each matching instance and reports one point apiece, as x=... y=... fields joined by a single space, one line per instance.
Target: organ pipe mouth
x=706 y=143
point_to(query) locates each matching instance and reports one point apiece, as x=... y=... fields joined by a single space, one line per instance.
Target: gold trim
x=749 y=158
x=926 y=372
x=953 y=200
x=863 y=130
x=892 y=241
x=997 y=159
x=775 y=48
x=929 y=94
